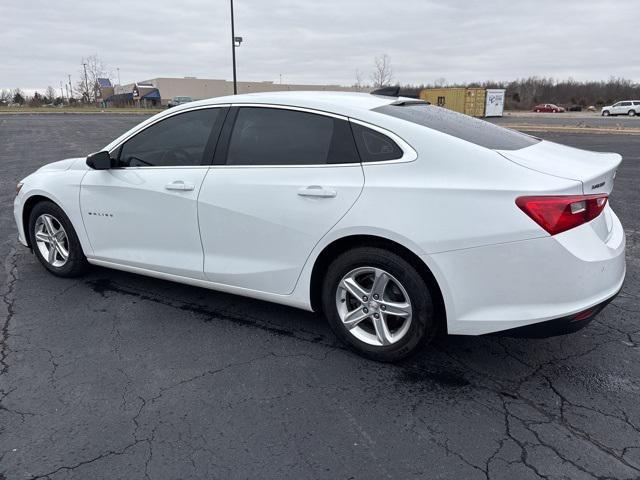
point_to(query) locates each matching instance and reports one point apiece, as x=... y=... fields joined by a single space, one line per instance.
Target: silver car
x=175 y=101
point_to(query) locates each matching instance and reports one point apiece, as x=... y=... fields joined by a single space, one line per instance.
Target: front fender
x=59 y=186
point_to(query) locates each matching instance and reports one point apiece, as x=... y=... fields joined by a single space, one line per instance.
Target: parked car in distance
x=395 y=219
x=548 y=108
x=625 y=107
x=175 y=101
x=575 y=108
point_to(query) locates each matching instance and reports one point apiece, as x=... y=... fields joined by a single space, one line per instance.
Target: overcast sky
x=320 y=41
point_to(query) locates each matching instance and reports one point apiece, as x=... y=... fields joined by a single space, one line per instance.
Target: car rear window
x=461 y=126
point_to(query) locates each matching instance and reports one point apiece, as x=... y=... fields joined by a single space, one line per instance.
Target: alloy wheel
x=373 y=306
x=51 y=240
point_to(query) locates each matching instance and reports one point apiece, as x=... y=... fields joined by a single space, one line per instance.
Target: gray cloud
x=320 y=41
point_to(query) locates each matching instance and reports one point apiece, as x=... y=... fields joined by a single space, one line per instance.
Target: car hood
x=67 y=164
x=594 y=170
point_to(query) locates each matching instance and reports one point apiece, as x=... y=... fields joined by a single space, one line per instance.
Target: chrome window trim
x=409 y=154
x=160 y=119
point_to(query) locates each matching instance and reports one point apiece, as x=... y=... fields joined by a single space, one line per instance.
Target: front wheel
x=54 y=241
x=632 y=113
x=605 y=113
x=378 y=304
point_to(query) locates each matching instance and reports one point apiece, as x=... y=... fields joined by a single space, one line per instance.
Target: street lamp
x=86 y=82
x=235 y=42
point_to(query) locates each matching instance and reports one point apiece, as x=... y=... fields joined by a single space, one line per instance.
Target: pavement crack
x=108 y=453
x=8 y=298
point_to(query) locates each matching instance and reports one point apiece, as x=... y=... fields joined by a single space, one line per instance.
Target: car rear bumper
x=558 y=326
x=506 y=286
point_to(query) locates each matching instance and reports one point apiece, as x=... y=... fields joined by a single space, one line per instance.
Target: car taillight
x=559 y=213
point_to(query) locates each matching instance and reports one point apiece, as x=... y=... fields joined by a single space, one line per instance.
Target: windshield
x=461 y=126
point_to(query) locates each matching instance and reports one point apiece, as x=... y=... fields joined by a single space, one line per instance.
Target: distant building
x=103 y=89
x=159 y=91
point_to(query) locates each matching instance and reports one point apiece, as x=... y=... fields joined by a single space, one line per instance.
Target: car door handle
x=317 y=191
x=180 y=185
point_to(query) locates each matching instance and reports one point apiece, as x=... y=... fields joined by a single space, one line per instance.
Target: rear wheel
x=632 y=113
x=378 y=304
x=54 y=241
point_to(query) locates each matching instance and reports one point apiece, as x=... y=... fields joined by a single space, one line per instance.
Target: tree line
x=524 y=93
x=521 y=94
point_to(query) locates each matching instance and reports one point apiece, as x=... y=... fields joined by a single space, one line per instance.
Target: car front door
x=282 y=178
x=617 y=108
x=143 y=212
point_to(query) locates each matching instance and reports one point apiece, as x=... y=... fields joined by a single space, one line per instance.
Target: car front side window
x=180 y=140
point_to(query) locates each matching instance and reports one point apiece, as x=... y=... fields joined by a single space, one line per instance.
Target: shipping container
x=470 y=101
x=495 y=102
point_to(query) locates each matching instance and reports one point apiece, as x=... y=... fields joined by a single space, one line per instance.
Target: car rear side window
x=374 y=146
x=276 y=136
x=461 y=126
x=180 y=140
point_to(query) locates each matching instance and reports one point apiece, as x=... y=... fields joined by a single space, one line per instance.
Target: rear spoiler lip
x=591 y=184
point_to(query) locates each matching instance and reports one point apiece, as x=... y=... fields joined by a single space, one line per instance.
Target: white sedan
x=395 y=218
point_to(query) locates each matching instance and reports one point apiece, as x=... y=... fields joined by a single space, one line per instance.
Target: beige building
x=158 y=91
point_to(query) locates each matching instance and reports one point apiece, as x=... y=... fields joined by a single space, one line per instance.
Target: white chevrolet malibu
x=395 y=218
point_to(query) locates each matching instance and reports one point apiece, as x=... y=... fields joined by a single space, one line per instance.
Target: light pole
x=86 y=82
x=70 y=88
x=235 y=42
x=118 y=75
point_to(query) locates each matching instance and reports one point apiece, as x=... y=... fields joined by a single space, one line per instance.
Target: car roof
x=351 y=104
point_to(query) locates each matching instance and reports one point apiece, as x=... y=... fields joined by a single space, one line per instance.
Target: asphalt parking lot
x=120 y=376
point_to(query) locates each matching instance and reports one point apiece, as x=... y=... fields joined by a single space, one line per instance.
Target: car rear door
x=143 y=213
x=282 y=178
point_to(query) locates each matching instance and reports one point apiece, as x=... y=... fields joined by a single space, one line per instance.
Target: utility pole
x=61 y=92
x=118 y=75
x=66 y=86
x=86 y=82
x=233 y=51
x=70 y=87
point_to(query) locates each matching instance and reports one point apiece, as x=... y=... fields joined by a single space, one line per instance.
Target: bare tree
x=440 y=82
x=5 y=96
x=382 y=74
x=50 y=94
x=87 y=86
x=358 y=83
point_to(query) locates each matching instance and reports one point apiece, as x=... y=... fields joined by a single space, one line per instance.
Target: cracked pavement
x=121 y=376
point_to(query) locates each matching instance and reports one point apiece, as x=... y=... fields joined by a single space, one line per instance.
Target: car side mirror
x=99 y=160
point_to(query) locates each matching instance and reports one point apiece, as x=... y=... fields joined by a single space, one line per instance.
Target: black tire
x=424 y=325
x=605 y=113
x=632 y=113
x=76 y=263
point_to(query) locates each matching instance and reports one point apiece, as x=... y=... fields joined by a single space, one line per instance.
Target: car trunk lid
x=596 y=171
